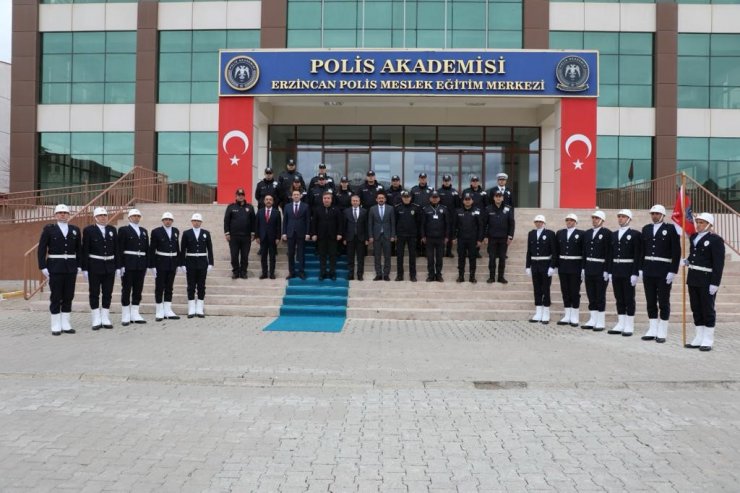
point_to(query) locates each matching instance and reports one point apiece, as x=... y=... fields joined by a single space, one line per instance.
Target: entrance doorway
x=352 y=164
x=461 y=166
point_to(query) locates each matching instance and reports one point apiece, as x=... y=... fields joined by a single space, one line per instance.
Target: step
x=313 y=311
x=315 y=299
x=312 y=290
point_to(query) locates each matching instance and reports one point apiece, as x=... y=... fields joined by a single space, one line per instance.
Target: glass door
x=461 y=165
x=352 y=164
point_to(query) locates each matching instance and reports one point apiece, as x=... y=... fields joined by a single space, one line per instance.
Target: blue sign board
x=547 y=73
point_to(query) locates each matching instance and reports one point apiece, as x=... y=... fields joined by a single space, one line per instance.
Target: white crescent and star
x=578 y=164
x=231 y=135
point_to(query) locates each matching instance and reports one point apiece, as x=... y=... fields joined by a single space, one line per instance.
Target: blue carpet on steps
x=310 y=305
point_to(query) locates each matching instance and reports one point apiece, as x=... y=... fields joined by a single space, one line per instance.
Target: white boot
x=575 y=314
x=95 y=316
x=600 y=321
x=537 y=317
x=135 y=316
x=698 y=337
x=629 y=325
x=708 y=340
x=56 y=324
x=566 y=318
x=125 y=315
x=591 y=323
x=662 y=331
x=168 y=313
x=105 y=318
x=545 y=315
x=617 y=329
x=199 y=309
x=191 y=308
x=652 y=330
x=66 y=326
x=159 y=312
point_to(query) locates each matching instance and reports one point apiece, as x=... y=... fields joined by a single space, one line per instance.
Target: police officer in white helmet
x=624 y=272
x=597 y=253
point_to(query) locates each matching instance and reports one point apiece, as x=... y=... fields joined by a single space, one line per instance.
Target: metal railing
x=665 y=191
x=188 y=192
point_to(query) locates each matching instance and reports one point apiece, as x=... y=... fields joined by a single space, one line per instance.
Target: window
x=188 y=156
x=623 y=160
x=709 y=71
x=714 y=162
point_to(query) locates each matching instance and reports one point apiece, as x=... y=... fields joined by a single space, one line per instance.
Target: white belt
x=542 y=258
x=659 y=259
x=703 y=269
x=131 y=252
x=570 y=257
x=166 y=254
x=64 y=256
x=592 y=259
x=196 y=254
x=101 y=257
x=624 y=261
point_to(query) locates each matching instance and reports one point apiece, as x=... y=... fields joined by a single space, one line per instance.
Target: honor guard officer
x=394 y=191
x=133 y=252
x=269 y=226
x=285 y=181
x=501 y=179
x=623 y=274
x=369 y=190
x=499 y=222
x=706 y=262
x=196 y=261
x=661 y=254
x=326 y=230
x=315 y=179
x=539 y=266
x=343 y=195
x=100 y=266
x=449 y=198
x=408 y=228
x=469 y=229
x=436 y=228
x=164 y=253
x=60 y=248
x=266 y=186
x=240 y=226
x=569 y=264
x=355 y=238
x=597 y=250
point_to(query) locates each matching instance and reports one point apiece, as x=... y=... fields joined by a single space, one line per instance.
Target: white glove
x=669 y=277
x=210 y=268
x=79 y=269
x=528 y=271
x=713 y=289
x=633 y=280
x=639 y=275
x=183 y=269
x=153 y=271
x=607 y=277
x=84 y=274
x=550 y=271
x=45 y=272
x=118 y=272
x=583 y=274
x=123 y=271
x=610 y=278
x=684 y=261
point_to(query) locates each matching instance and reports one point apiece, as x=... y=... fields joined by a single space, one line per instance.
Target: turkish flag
x=578 y=153
x=235 y=143
x=681 y=210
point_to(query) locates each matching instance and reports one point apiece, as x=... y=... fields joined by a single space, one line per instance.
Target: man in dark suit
x=100 y=266
x=268 y=234
x=60 y=247
x=296 y=227
x=569 y=263
x=355 y=237
x=133 y=250
x=539 y=266
x=196 y=261
x=623 y=272
x=326 y=231
x=164 y=253
x=381 y=230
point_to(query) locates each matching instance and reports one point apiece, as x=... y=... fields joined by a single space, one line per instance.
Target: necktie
x=355 y=214
x=267 y=215
x=295 y=209
x=381 y=212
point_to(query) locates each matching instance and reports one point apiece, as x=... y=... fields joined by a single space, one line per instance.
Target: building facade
x=4 y=127
x=99 y=87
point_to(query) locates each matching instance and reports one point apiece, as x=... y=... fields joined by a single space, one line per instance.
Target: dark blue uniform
x=661 y=253
x=267 y=187
x=285 y=184
x=499 y=229
x=196 y=255
x=625 y=263
x=469 y=228
x=368 y=192
x=480 y=197
x=436 y=228
x=133 y=253
x=597 y=253
x=343 y=198
x=506 y=192
x=569 y=262
x=540 y=253
x=164 y=253
x=420 y=195
x=100 y=260
x=60 y=255
x=706 y=264
x=393 y=195
x=240 y=225
x=408 y=229
x=449 y=198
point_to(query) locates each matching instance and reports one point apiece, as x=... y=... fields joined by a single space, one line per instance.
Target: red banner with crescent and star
x=235 y=143
x=578 y=153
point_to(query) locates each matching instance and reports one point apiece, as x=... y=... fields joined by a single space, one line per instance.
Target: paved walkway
x=219 y=405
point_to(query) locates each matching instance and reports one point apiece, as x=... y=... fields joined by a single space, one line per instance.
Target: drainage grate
x=499 y=385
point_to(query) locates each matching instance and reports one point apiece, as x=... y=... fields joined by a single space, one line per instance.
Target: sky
x=5 y=29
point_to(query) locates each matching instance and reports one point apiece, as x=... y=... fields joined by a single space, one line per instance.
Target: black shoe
x=587 y=327
x=263 y=276
x=386 y=278
x=290 y=276
x=460 y=279
x=350 y=277
x=235 y=275
x=449 y=255
x=272 y=275
x=56 y=333
x=359 y=277
x=614 y=332
x=598 y=329
x=688 y=345
x=473 y=279
x=70 y=331
x=413 y=278
x=333 y=277
x=659 y=340
x=490 y=280
x=626 y=334
x=647 y=338
x=200 y=316
x=302 y=276
x=399 y=278
x=321 y=277
x=502 y=280
x=705 y=348
x=560 y=322
x=97 y=327
x=479 y=255
x=244 y=275
x=430 y=279
x=107 y=326
x=191 y=315
x=440 y=278
x=378 y=278
x=125 y=324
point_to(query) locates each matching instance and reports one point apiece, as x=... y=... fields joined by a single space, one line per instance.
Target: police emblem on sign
x=242 y=73
x=572 y=73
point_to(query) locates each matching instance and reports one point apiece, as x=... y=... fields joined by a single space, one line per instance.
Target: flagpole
x=683 y=251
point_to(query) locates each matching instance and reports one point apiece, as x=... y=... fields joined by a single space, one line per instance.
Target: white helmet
x=100 y=211
x=196 y=217
x=625 y=212
x=168 y=215
x=599 y=214
x=134 y=212
x=61 y=208
x=705 y=216
x=539 y=218
x=572 y=216
x=658 y=208
x=502 y=176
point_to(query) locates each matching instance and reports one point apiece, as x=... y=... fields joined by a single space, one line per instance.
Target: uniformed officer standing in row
x=239 y=230
x=436 y=228
x=449 y=198
x=408 y=228
x=318 y=190
x=59 y=251
x=569 y=264
x=196 y=261
x=661 y=254
x=499 y=219
x=267 y=186
x=468 y=232
x=541 y=249
x=368 y=190
x=706 y=263
x=322 y=171
x=394 y=191
x=626 y=246
x=480 y=197
x=597 y=253
x=501 y=179
x=164 y=253
x=133 y=253
x=100 y=266
x=343 y=194
x=285 y=182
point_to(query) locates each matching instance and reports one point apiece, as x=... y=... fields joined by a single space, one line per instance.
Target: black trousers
x=327 y=250
x=624 y=294
x=132 y=284
x=497 y=248
x=406 y=243
x=657 y=294
x=62 y=292
x=356 y=251
x=268 y=249
x=296 y=247
x=466 y=249
x=596 y=292
x=541 y=283
x=382 y=254
x=100 y=283
x=239 y=247
x=196 y=281
x=570 y=288
x=163 y=284
x=702 y=306
x=448 y=247
x=435 y=254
